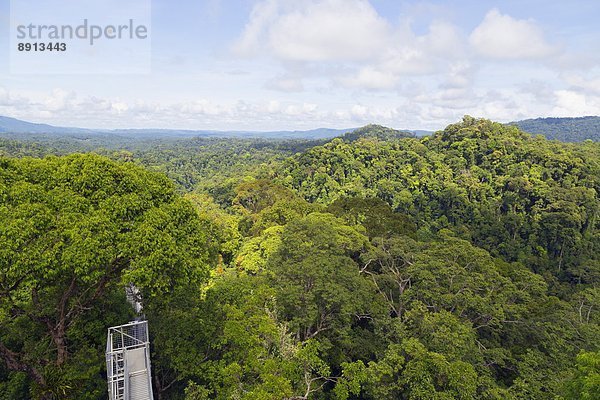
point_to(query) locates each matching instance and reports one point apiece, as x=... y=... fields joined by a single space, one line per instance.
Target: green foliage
x=315 y=277
x=253 y=256
x=74 y=231
x=215 y=166
x=375 y=132
x=409 y=370
x=586 y=384
x=374 y=214
x=463 y=265
x=221 y=228
x=563 y=129
x=525 y=199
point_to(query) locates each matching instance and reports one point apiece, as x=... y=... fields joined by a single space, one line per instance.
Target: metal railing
x=128 y=362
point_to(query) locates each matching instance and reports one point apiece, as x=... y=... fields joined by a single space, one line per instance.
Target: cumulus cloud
x=58 y=100
x=330 y=30
x=300 y=109
x=97 y=112
x=369 y=77
x=541 y=91
x=501 y=36
x=581 y=83
x=459 y=75
x=60 y=107
x=341 y=63
x=372 y=52
x=570 y=103
x=412 y=54
x=249 y=43
x=424 y=108
x=9 y=99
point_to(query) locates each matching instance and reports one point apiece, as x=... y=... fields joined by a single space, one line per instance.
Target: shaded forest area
x=377 y=265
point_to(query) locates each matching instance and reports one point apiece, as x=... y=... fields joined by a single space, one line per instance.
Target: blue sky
x=285 y=64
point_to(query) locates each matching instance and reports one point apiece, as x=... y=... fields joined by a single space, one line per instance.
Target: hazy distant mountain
x=563 y=129
x=13 y=125
x=18 y=129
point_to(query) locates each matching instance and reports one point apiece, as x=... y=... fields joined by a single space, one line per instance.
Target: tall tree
x=75 y=230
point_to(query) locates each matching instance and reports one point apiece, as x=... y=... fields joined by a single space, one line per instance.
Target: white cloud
x=273 y=106
x=313 y=31
x=296 y=110
x=444 y=40
x=369 y=51
x=573 y=104
x=120 y=107
x=418 y=55
x=500 y=36
x=541 y=91
x=4 y=98
x=369 y=78
x=202 y=107
x=10 y=99
x=331 y=30
x=249 y=43
x=440 y=51
x=581 y=83
x=359 y=111
x=68 y=109
x=58 y=100
x=459 y=75
x=341 y=63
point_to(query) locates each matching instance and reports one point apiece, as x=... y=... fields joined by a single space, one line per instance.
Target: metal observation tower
x=128 y=357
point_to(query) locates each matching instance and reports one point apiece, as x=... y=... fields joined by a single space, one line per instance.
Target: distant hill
x=376 y=131
x=13 y=125
x=17 y=129
x=563 y=129
x=12 y=128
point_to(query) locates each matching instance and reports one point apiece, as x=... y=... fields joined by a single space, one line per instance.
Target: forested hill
x=376 y=132
x=563 y=129
x=521 y=197
x=463 y=265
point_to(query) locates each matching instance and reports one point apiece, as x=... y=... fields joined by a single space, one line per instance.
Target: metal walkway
x=128 y=362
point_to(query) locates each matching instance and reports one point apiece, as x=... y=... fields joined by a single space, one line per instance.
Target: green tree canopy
x=75 y=230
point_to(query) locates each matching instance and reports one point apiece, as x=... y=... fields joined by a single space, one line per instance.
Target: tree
x=232 y=344
x=586 y=383
x=75 y=231
x=409 y=371
x=374 y=214
x=317 y=281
